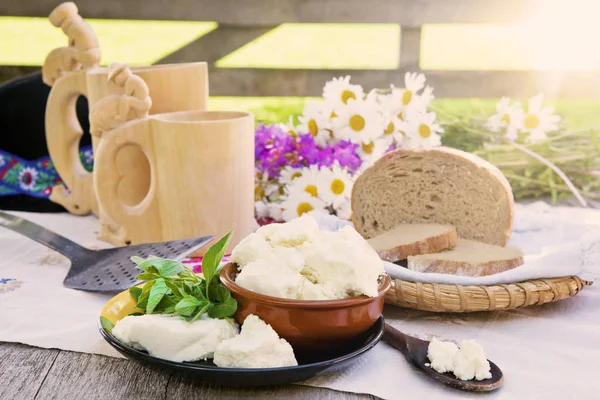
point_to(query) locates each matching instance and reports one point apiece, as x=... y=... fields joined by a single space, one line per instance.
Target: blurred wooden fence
x=242 y=21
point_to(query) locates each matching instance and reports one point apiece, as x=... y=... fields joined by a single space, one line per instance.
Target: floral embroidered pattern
x=9 y=284
x=34 y=178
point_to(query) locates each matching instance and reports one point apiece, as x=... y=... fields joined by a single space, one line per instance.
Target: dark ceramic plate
x=310 y=364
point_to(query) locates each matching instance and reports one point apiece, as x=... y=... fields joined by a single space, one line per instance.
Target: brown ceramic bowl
x=308 y=324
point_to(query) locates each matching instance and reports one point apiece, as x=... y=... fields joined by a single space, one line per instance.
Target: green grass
x=578 y=115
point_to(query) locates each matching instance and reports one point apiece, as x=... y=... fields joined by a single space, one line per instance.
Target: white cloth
x=557 y=241
x=545 y=352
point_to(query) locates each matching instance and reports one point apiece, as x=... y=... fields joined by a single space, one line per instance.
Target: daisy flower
x=275 y=211
x=297 y=204
x=409 y=96
x=338 y=91
x=314 y=122
x=538 y=120
x=335 y=185
x=422 y=131
x=261 y=209
x=288 y=174
x=308 y=182
x=508 y=117
x=373 y=150
x=28 y=178
x=359 y=121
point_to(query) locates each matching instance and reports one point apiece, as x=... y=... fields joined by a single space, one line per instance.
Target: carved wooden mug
x=201 y=176
x=73 y=71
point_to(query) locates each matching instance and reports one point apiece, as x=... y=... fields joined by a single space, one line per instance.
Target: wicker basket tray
x=438 y=297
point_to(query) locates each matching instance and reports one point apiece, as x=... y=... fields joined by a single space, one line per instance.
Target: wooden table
x=32 y=373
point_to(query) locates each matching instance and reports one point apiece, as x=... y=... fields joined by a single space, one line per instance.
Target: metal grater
x=107 y=270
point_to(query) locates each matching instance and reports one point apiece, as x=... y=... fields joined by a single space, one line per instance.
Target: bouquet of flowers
x=311 y=165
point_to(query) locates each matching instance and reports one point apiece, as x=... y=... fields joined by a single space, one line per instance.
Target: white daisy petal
x=335 y=185
x=539 y=121
x=295 y=205
x=314 y=122
x=28 y=178
x=422 y=131
x=358 y=121
x=338 y=91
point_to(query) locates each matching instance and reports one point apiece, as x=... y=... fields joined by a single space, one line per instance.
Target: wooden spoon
x=415 y=351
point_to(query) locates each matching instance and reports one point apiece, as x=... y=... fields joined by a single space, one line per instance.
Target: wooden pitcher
x=201 y=176
x=175 y=87
x=73 y=71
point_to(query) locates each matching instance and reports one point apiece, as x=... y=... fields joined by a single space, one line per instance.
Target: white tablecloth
x=545 y=352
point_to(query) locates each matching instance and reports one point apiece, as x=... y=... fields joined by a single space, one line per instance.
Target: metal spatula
x=109 y=270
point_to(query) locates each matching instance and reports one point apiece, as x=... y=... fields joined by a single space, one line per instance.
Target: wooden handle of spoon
x=395 y=338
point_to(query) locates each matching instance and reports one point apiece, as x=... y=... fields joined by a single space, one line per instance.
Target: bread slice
x=439 y=185
x=413 y=239
x=468 y=258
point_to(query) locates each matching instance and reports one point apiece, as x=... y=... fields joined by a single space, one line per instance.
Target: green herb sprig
x=173 y=288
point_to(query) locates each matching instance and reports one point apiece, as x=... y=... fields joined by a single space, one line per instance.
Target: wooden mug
x=174 y=87
x=201 y=176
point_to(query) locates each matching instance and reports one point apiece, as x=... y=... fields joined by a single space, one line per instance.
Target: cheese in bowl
x=297 y=260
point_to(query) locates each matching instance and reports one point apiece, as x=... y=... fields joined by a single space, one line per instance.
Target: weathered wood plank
x=410 y=48
x=181 y=388
x=486 y=84
x=23 y=370
x=216 y=44
x=86 y=376
x=409 y=13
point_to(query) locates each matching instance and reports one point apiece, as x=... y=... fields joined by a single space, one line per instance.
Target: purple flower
x=307 y=149
x=326 y=157
x=272 y=144
x=345 y=153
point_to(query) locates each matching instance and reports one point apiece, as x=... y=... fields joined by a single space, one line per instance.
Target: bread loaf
x=468 y=258
x=413 y=239
x=439 y=185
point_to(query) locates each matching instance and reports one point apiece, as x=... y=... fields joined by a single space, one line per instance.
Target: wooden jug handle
x=63 y=133
x=107 y=176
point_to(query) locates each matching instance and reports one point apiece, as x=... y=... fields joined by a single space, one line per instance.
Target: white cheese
x=296 y=260
x=257 y=346
x=172 y=338
x=441 y=355
x=466 y=362
x=470 y=362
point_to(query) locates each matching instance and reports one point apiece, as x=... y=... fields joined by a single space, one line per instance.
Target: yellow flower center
x=400 y=116
x=357 y=123
x=311 y=189
x=406 y=97
x=338 y=186
x=532 y=121
x=296 y=175
x=259 y=192
x=312 y=127
x=424 y=131
x=332 y=115
x=505 y=118
x=292 y=133
x=368 y=148
x=304 y=208
x=389 y=129
x=347 y=95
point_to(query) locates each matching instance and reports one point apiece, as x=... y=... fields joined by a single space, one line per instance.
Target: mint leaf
x=163 y=267
x=143 y=300
x=213 y=258
x=135 y=292
x=159 y=289
x=187 y=306
x=106 y=324
x=200 y=312
x=146 y=276
x=223 y=310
